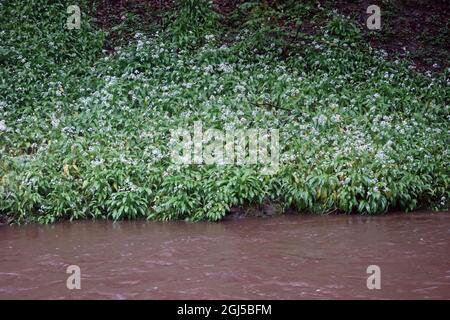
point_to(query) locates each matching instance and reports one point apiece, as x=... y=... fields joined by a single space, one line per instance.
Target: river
x=284 y=257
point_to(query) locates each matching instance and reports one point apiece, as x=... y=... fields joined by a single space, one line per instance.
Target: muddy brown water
x=285 y=257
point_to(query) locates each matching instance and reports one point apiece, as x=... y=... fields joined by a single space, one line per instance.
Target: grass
x=86 y=134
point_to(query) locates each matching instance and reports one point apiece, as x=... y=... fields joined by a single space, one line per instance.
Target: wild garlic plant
x=86 y=133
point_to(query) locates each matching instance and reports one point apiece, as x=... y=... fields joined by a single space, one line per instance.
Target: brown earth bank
x=270 y=209
x=417 y=29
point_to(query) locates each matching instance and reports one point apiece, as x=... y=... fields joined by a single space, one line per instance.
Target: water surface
x=286 y=257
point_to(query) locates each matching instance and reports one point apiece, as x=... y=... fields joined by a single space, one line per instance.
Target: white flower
x=208 y=69
x=3 y=126
x=321 y=119
x=225 y=67
x=336 y=118
x=96 y=162
x=55 y=122
x=380 y=155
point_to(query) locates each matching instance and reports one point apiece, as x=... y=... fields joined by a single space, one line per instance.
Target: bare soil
x=417 y=29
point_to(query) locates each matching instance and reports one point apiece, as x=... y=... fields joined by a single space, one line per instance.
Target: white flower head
x=3 y=126
x=55 y=122
x=209 y=37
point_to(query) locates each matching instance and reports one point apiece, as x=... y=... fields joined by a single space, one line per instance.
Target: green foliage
x=343 y=28
x=193 y=20
x=84 y=134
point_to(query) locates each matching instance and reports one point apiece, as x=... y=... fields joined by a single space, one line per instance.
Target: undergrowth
x=86 y=134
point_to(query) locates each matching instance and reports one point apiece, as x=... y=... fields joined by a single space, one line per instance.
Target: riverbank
x=87 y=116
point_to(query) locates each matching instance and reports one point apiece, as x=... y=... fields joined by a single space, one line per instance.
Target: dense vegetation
x=85 y=133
